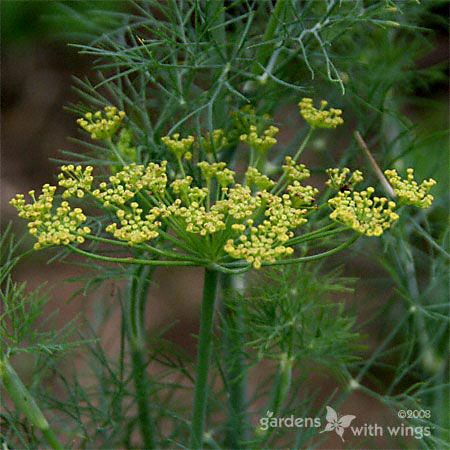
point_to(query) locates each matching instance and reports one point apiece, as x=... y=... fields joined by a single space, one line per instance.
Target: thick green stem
x=136 y=335
x=235 y=371
x=203 y=358
x=25 y=403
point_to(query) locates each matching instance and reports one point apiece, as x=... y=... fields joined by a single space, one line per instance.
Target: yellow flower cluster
x=133 y=229
x=260 y=143
x=179 y=147
x=408 y=191
x=197 y=218
x=190 y=208
x=181 y=187
x=102 y=124
x=61 y=227
x=366 y=215
x=258 y=247
x=131 y=180
x=223 y=175
x=266 y=241
x=302 y=196
x=343 y=179
x=282 y=214
x=75 y=180
x=239 y=204
x=293 y=171
x=320 y=118
x=255 y=178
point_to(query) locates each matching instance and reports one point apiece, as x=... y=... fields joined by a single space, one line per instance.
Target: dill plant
x=163 y=172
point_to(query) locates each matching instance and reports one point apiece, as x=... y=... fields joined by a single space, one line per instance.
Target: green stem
x=25 y=403
x=129 y=260
x=203 y=358
x=317 y=256
x=315 y=235
x=236 y=377
x=144 y=247
x=136 y=335
x=180 y=166
x=282 y=383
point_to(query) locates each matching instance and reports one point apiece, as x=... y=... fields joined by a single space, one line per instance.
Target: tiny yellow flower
x=302 y=196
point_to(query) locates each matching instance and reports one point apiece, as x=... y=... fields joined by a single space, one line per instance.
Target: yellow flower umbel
x=343 y=179
x=320 y=118
x=302 y=196
x=260 y=143
x=408 y=191
x=61 y=226
x=239 y=204
x=102 y=125
x=255 y=178
x=266 y=242
x=197 y=219
x=133 y=229
x=366 y=215
x=76 y=180
x=293 y=171
x=124 y=185
x=191 y=208
x=223 y=175
x=179 y=147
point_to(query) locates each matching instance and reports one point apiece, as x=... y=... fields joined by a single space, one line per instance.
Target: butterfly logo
x=336 y=423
